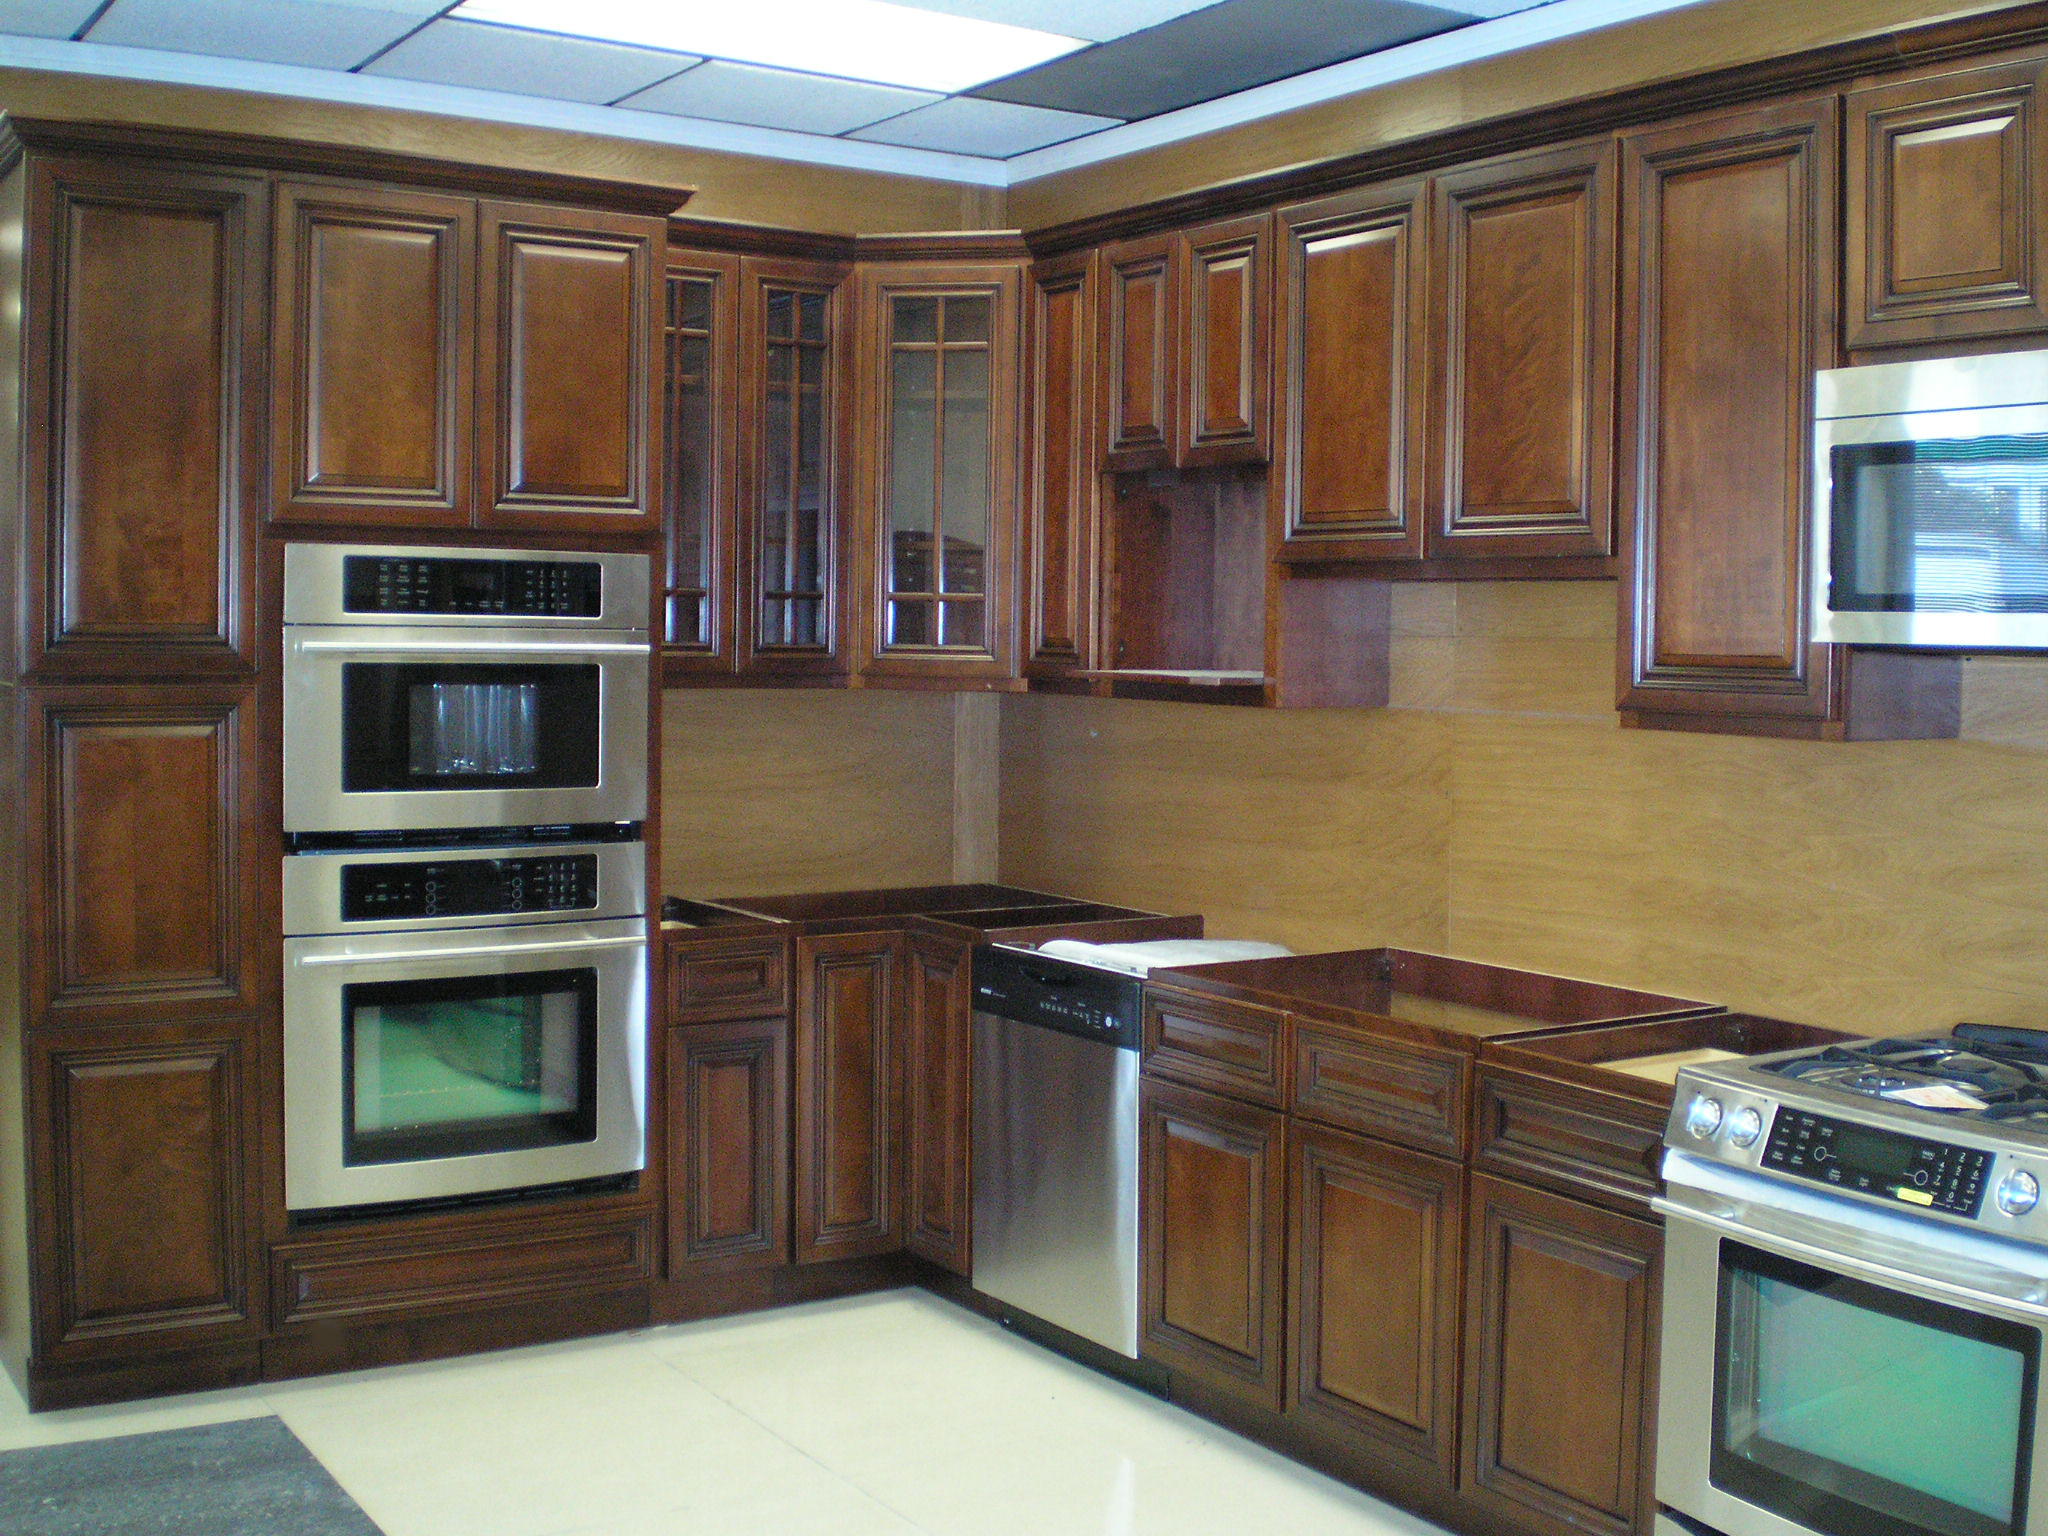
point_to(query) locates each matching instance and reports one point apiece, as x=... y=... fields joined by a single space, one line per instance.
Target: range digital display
x=1933 y=1175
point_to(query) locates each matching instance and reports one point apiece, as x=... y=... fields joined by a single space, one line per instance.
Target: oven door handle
x=566 y=648
x=468 y=951
x=1846 y=1251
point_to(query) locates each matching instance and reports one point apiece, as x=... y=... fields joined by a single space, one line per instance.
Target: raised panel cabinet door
x=729 y=1146
x=143 y=368
x=374 y=336
x=1728 y=240
x=144 y=892
x=1947 y=213
x=1213 y=1182
x=1139 y=342
x=1227 y=342
x=938 y=1009
x=847 y=1203
x=1560 y=1371
x=795 y=452
x=700 y=460
x=139 y=1187
x=1062 y=479
x=1352 y=302
x=1520 y=446
x=1376 y=1234
x=569 y=324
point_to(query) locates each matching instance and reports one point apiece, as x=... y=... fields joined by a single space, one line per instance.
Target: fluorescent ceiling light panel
x=853 y=39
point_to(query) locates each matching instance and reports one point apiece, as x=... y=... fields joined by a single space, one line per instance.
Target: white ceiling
x=1134 y=62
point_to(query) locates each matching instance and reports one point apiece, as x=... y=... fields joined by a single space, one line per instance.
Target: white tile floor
x=887 y=1415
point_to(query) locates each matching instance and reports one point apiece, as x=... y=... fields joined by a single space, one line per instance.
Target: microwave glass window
x=1860 y=1411
x=458 y=1066
x=1940 y=526
x=424 y=726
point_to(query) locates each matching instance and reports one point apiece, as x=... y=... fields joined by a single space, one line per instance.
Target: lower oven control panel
x=469 y=887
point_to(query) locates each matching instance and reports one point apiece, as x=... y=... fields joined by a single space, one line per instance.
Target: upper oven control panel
x=421 y=585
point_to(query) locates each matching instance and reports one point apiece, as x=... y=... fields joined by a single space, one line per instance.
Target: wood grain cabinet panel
x=1234 y=1048
x=700 y=460
x=847 y=1092
x=1405 y=1093
x=1062 y=485
x=1375 y=1235
x=727 y=979
x=1947 y=214
x=141 y=470
x=116 y=771
x=1226 y=342
x=568 y=328
x=1595 y=1146
x=1213 y=1179
x=938 y=1007
x=372 y=377
x=1522 y=339
x=1561 y=1317
x=1352 y=291
x=729 y=1145
x=1140 y=312
x=140 y=1140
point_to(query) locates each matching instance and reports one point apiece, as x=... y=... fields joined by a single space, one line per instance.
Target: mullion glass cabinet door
x=699 y=409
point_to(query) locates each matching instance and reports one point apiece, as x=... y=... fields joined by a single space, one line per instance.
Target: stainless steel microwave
x=1930 y=521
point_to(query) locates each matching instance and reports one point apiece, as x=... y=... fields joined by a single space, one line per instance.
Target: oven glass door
x=1857 y=1410
x=410 y=726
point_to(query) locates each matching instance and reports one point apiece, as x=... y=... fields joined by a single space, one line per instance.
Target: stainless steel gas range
x=1856 y=1291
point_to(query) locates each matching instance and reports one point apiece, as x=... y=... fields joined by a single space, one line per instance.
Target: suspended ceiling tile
x=322 y=34
x=45 y=18
x=526 y=63
x=962 y=125
x=1217 y=51
x=1096 y=20
x=777 y=98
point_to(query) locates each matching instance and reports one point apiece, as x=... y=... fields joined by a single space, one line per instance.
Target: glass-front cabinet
x=700 y=377
x=939 y=398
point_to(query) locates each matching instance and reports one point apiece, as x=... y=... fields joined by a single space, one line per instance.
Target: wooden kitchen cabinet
x=700 y=459
x=1728 y=280
x=1561 y=1310
x=1213 y=1183
x=728 y=1146
x=937 y=470
x=1375 y=1233
x=938 y=1007
x=1946 y=209
x=795 y=318
x=140 y=459
x=1062 y=495
x=441 y=361
x=1140 y=308
x=847 y=1092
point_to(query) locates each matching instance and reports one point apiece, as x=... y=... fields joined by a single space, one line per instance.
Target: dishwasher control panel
x=1083 y=1000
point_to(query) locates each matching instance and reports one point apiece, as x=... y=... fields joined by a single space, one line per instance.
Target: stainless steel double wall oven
x=465 y=778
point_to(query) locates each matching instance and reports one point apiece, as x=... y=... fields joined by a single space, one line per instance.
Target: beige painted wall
x=1499 y=812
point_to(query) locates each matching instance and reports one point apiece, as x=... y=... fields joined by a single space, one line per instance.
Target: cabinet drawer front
x=314 y=1284
x=1234 y=1048
x=1597 y=1146
x=1404 y=1093
x=728 y=979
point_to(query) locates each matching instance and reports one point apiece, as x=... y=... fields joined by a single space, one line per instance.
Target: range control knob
x=2018 y=1193
x=1744 y=1126
x=1703 y=1118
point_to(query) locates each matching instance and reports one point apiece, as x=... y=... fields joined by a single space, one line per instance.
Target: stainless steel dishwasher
x=1055 y=1156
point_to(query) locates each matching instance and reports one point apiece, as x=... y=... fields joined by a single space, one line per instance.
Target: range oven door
x=395 y=728
x=434 y=1065
x=1865 y=1376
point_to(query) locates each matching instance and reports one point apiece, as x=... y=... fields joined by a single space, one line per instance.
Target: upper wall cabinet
x=795 y=322
x=1521 y=325
x=1062 y=488
x=1947 y=208
x=1185 y=347
x=140 y=363
x=445 y=362
x=700 y=380
x=938 y=413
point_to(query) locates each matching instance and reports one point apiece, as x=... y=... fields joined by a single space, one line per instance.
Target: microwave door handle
x=1747 y=1223
x=564 y=648
x=469 y=951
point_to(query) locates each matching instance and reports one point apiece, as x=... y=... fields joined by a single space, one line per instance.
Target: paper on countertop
x=1135 y=959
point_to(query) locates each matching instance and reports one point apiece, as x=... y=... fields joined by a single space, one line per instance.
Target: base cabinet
x=847 y=1202
x=1561 y=1308
x=729 y=1145
x=938 y=1006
